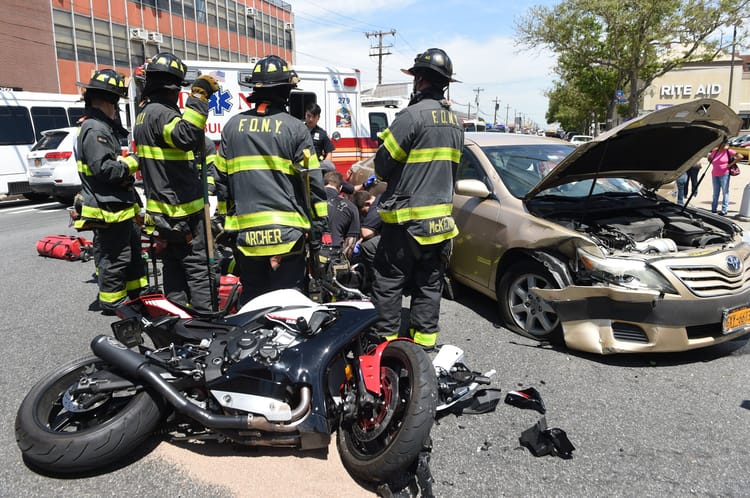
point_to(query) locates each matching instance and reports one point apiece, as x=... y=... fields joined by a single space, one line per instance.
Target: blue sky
x=477 y=35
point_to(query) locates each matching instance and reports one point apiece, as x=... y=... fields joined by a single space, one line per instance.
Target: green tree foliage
x=606 y=45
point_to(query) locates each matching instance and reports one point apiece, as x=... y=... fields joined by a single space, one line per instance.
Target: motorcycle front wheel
x=385 y=440
x=65 y=433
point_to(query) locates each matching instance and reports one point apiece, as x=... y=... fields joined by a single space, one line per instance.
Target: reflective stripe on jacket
x=107 y=194
x=165 y=141
x=258 y=169
x=419 y=154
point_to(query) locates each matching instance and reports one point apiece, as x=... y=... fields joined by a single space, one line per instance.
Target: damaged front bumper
x=607 y=320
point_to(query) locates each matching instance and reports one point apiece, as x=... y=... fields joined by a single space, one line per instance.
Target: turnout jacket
x=258 y=170
x=166 y=141
x=418 y=157
x=106 y=184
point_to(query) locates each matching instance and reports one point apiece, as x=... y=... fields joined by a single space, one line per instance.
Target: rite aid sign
x=707 y=90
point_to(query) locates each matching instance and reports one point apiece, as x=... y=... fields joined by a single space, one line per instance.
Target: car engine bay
x=658 y=228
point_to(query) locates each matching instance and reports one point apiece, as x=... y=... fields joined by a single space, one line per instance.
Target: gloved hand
x=371 y=181
x=204 y=86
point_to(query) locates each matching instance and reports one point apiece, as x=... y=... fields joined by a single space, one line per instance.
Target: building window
x=121 y=42
x=84 y=39
x=200 y=10
x=103 y=43
x=64 y=35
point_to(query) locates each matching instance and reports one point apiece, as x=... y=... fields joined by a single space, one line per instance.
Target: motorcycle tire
x=383 y=444
x=58 y=434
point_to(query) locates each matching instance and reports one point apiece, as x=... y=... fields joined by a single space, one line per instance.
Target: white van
x=23 y=118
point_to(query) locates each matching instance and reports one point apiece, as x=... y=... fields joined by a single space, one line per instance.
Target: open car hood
x=654 y=149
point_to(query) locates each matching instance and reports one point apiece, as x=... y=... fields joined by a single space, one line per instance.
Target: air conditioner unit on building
x=249 y=12
x=289 y=27
x=138 y=34
x=154 y=37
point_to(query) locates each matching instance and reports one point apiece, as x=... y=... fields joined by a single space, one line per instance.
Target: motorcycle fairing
x=369 y=364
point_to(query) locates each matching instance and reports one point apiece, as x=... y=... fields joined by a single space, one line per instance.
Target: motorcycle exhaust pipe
x=136 y=366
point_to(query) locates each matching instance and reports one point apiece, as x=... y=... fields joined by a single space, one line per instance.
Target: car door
x=475 y=250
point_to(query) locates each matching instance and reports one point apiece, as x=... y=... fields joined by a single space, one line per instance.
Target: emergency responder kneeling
x=166 y=143
x=273 y=202
x=109 y=203
x=420 y=150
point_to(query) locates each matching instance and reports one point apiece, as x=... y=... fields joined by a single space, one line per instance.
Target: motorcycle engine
x=264 y=345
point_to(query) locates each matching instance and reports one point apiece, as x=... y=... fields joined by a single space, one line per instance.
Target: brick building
x=49 y=45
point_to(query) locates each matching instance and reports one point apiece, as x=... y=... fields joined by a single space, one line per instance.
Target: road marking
x=35 y=207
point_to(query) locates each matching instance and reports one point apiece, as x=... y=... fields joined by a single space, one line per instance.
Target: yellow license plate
x=735 y=319
x=37 y=162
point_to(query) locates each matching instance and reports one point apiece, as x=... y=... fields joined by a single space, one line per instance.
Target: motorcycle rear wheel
x=381 y=445
x=64 y=434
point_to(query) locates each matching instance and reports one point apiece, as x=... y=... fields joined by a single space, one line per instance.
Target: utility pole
x=378 y=50
x=476 y=100
x=507 y=108
x=497 y=106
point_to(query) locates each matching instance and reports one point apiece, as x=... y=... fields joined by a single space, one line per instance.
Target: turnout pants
x=402 y=264
x=185 y=266
x=261 y=274
x=120 y=267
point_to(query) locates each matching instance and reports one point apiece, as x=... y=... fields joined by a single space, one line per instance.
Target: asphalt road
x=642 y=425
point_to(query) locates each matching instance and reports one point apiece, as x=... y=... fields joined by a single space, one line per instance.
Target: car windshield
x=521 y=167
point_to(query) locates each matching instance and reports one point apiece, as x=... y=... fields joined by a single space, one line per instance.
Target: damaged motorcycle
x=283 y=371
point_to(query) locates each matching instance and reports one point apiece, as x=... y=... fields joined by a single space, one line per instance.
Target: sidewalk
x=737 y=186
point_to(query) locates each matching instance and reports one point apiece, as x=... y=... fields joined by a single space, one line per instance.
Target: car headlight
x=628 y=273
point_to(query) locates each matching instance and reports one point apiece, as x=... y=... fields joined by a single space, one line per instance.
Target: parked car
x=741 y=144
x=576 y=246
x=52 y=168
x=580 y=139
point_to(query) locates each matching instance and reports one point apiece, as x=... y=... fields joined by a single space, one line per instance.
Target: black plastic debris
x=526 y=398
x=543 y=441
x=483 y=401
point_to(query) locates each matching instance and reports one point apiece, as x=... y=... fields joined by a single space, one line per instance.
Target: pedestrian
x=682 y=187
x=166 y=142
x=692 y=174
x=721 y=158
x=273 y=206
x=323 y=146
x=109 y=203
x=419 y=154
x=342 y=214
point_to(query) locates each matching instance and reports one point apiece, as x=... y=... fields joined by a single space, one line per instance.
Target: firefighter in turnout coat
x=418 y=157
x=166 y=144
x=266 y=205
x=109 y=205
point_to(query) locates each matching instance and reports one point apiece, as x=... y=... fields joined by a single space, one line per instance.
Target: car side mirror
x=472 y=188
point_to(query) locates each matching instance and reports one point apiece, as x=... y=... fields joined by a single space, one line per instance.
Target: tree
x=606 y=45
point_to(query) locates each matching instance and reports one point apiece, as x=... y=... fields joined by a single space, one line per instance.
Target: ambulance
x=335 y=90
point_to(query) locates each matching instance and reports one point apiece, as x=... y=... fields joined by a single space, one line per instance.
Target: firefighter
x=419 y=154
x=166 y=141
x=109 y=203
x=271 y=206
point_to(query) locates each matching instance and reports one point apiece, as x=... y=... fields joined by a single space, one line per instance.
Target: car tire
x=521 y=310
x=36 y=197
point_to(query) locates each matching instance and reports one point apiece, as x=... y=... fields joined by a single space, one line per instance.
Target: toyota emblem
x=734 y=264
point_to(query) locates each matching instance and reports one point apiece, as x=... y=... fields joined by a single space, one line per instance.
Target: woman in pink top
x=720 y=160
